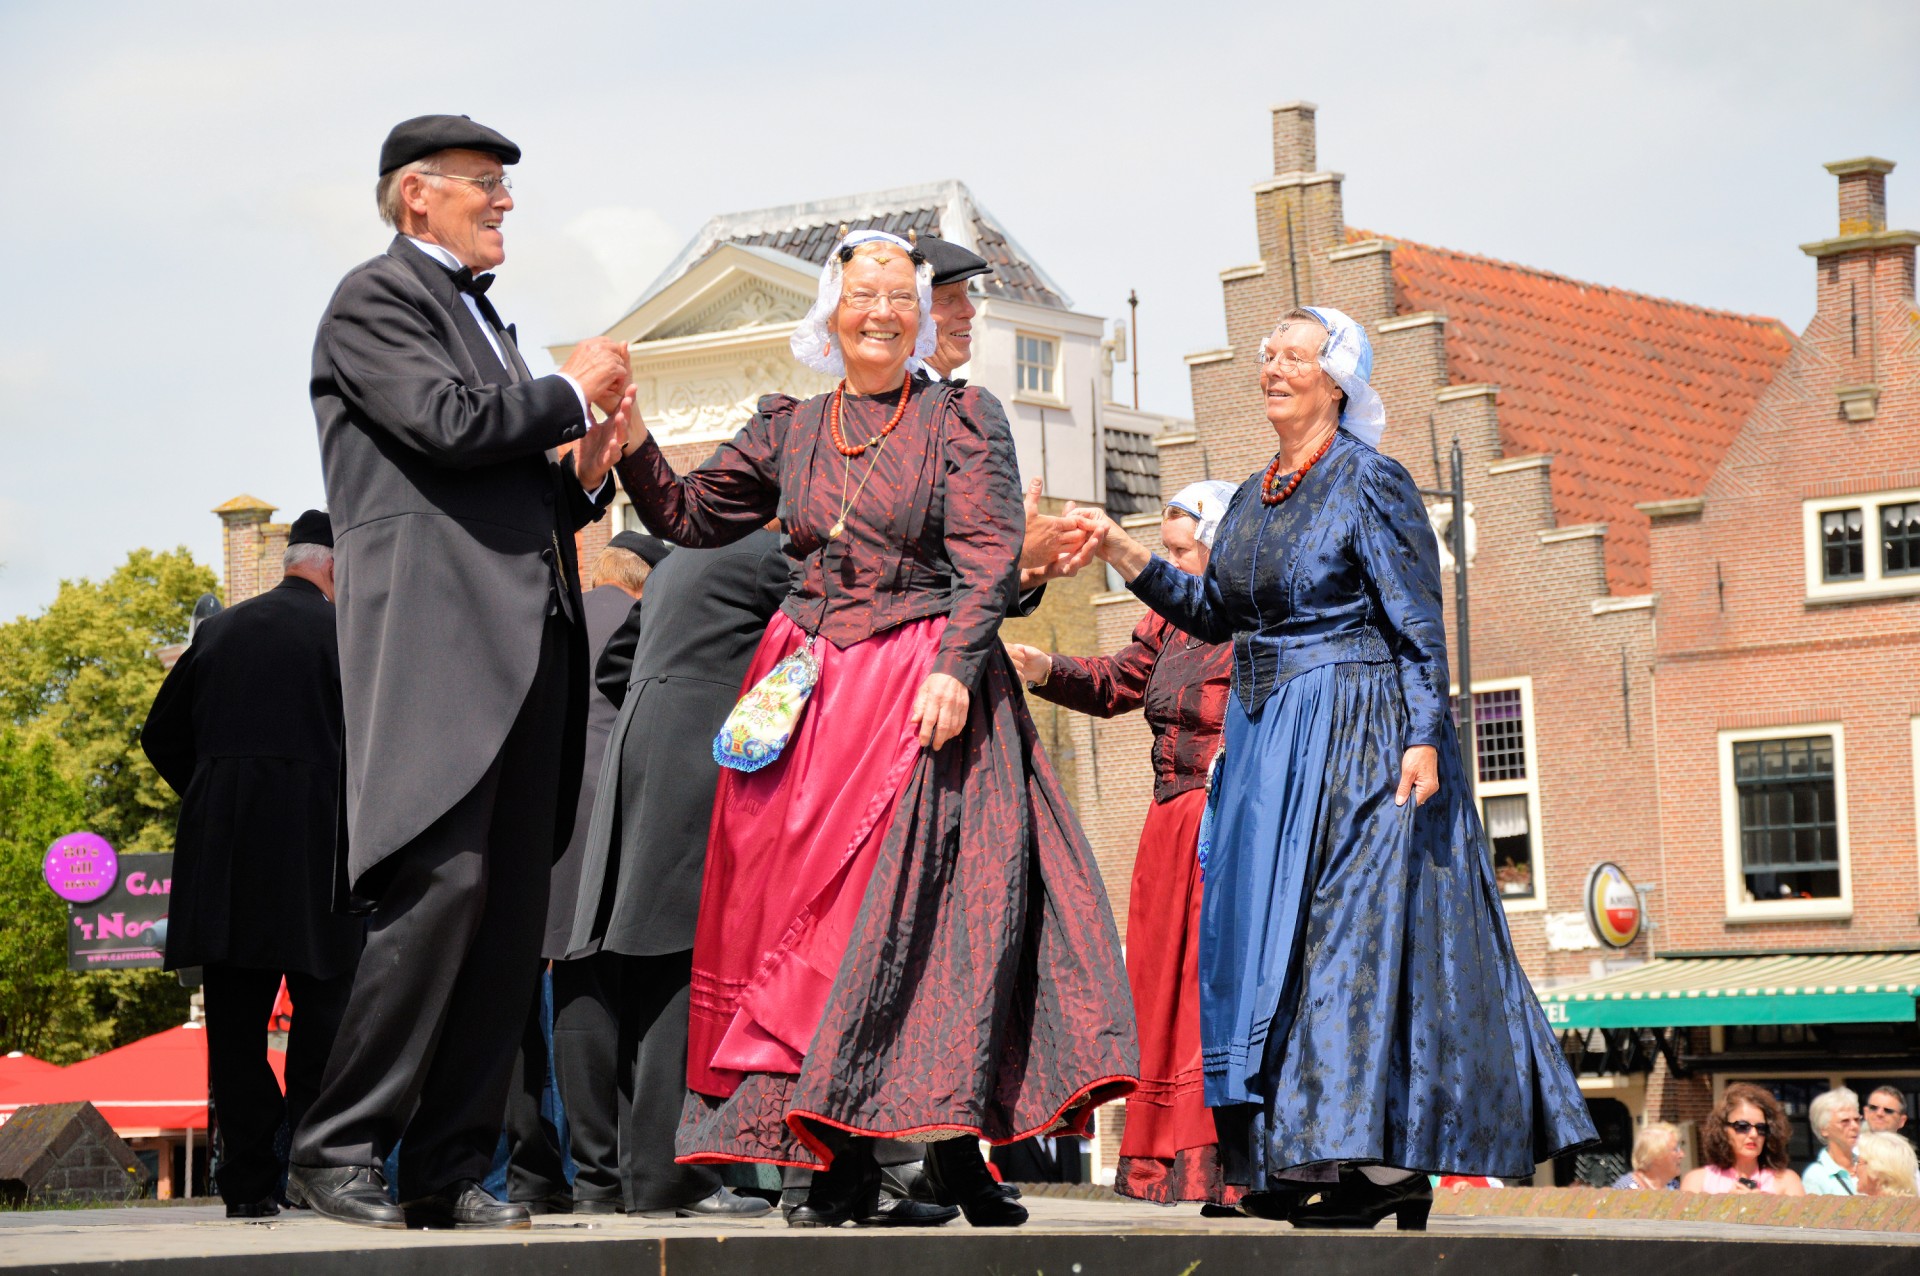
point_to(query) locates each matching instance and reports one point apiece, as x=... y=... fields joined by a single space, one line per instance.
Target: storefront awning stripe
x=1684 y=992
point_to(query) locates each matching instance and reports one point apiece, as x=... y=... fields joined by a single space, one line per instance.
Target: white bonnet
x=812 y=342
x=1348 y=359
x=1207 y=502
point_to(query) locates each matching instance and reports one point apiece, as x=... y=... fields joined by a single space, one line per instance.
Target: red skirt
x=895 y=941
x=1169 y=1151
x=790 y=852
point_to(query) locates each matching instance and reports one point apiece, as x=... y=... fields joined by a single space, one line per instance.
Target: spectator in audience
x=1884 y=1164
x=1886 y=1110
x=1744 y=1143
x=1656 y=1158
x=1835 y=1117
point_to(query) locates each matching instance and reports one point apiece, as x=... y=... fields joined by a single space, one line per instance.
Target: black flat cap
x=650 y=548
x=311 y=528
x=951 y=263
x=425 y=135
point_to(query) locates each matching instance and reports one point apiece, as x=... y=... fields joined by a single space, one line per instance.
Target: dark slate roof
x=808 y=232
x=1133 y=473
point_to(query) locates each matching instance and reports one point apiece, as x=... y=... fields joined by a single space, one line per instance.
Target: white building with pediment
x=710 y=335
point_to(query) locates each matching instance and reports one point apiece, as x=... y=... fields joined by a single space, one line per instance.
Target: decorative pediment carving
x=748 y=304
x=714 y=401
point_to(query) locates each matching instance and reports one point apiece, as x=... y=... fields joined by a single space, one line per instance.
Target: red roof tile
x=1637 y=398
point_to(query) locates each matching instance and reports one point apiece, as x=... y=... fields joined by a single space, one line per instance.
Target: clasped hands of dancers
x=901 y=931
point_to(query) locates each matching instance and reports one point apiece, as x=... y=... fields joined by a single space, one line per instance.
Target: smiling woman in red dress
x=902 y=931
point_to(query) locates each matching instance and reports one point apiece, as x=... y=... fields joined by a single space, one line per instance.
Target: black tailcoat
x=606 y=607
x=246 y=728
x=453 y=524
x=647 y=844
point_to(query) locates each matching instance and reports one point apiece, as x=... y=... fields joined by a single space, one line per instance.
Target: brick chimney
x=1866 y=283
x=1298 y=210
x=251 y=547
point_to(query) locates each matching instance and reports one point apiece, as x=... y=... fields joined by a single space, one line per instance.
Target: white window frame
x=1529 y=787
x=1050 y=398
x=1739 y=907
x=1874 y=584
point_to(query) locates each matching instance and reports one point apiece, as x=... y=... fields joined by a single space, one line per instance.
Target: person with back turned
x=460 y=645
x=246 y=728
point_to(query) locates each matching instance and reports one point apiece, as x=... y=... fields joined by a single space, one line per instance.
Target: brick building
x=1787 y=728
x=1587 y=416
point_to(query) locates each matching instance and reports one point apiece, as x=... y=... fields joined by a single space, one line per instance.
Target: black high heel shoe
x=1360 y=1202
x=845 y=1189
x=959 y=1176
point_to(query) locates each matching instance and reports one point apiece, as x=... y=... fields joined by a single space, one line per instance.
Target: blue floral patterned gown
x=1360 y=1000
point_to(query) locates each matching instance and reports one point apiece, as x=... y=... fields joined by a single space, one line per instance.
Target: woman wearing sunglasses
x=1744 y=1144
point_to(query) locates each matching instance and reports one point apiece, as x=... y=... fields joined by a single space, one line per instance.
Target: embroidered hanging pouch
x=763 y=721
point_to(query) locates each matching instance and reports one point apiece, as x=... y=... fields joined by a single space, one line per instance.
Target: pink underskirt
x=791 y=849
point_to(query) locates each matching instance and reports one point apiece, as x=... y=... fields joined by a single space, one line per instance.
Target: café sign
x=1612 y=905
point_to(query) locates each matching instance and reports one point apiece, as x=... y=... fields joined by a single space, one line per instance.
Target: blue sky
x=189 y=180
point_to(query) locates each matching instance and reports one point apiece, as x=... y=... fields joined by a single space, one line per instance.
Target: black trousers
x=428 y=1041
x=620 y=1053
x=535 y=1169
x=246 y=1096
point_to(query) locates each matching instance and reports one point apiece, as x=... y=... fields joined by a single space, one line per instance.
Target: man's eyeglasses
x=1760 y=1128
x=863 y=300
x=488 y=185
x=1880 y=1110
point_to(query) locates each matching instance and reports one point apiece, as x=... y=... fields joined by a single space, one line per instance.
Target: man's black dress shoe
x=557 y=1203
x=1360 y=1202
x=898 y=1211
x=598 y=1205
x=345 y=1194
x=722 y=1202
x=465 y=1204
x=960 y=1177
x=266 y=1207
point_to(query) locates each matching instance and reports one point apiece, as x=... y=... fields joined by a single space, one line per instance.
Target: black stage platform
x=1066 y=1238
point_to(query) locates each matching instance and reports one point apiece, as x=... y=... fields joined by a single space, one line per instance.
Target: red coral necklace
x=833 y=419
x=1270 y=494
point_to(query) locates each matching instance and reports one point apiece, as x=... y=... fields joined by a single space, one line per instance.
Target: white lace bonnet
x=1348 y=359
x=1207 y=502
x=812 y=342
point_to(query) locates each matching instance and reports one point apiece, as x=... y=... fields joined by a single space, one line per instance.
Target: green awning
x=1694 y=992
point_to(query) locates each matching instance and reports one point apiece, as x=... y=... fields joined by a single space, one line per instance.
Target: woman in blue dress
x=1363 y=1018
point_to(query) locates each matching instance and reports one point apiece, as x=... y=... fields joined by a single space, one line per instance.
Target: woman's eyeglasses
x=864 y=300
x=1760 y=1128
x=1289 y=362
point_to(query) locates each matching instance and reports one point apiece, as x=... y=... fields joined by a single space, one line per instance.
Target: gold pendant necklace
x=846 y=502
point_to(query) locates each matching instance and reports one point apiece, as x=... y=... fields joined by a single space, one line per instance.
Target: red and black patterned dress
x=892 y=941
x=1170 y=1151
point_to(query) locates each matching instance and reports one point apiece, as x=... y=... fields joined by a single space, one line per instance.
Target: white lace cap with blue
x=812 y=342
x=1207 y=502
x=1348 y=359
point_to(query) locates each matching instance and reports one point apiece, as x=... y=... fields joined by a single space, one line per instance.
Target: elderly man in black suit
x=459 y=610
x=246 y=728
x=675 y=672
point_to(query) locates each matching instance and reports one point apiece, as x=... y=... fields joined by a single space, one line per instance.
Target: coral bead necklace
x=1271 y=493
x=833 y=419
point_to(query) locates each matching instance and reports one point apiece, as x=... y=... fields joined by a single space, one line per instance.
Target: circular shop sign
x=1613 y=906
x=81 y=867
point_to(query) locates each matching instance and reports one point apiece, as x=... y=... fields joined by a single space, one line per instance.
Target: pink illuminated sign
x=81 y=867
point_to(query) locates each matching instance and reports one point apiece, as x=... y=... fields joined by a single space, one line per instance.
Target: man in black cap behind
x=535 y=1176
x=460 y=657
x=246 y=728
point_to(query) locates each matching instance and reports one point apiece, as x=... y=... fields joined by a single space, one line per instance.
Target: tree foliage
x=76 y=682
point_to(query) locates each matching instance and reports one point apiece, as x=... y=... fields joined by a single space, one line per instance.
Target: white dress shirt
x=451 y=262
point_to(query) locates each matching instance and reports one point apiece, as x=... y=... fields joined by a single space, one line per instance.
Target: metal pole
x=1462 y=629
x=1133 y=338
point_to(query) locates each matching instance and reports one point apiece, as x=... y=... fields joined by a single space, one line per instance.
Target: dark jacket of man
x=453 y=535
x=606 y=607
x=246 y=728
x=704 y=614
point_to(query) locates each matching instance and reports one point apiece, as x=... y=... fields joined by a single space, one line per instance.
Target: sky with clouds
x=187 y=181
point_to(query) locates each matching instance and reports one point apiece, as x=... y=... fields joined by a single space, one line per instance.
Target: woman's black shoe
x=1360 y=1202
x=845 y=1189
x=1213 y=1209
x=1275 y=1204
x=960 y=1177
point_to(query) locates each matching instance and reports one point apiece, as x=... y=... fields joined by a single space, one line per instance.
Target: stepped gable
x=809 y=231
x=1636 y=397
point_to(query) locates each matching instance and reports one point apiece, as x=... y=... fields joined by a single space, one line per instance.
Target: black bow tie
x=466 y=281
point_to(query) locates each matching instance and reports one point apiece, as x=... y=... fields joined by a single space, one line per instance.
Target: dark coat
x=246 y=728
x=647 y=845
x=607 y=607
x=452 y=522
